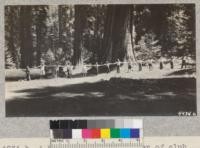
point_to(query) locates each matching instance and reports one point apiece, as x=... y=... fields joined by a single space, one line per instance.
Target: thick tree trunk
x=60 y=24
x=39 y=48
x=79 y=28
x=11 y=36
x=26 y=37
x=40 y=32
x=117 y=33
x=11 y=33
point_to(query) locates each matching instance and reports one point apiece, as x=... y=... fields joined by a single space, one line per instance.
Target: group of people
x=68 y=68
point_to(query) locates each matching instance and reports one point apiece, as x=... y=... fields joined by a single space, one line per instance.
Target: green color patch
x=115 y=133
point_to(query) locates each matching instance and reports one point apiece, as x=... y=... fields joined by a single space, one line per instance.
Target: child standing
x=42 y=70
x=118 y=65
x=108 y=67
x=129 y=65
x=84 y=71
x=97 y=68
x=28 y=76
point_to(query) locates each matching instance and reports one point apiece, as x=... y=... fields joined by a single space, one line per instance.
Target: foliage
x=9 y=63
x=95 y=33
x=48 y=57
x=148 y=47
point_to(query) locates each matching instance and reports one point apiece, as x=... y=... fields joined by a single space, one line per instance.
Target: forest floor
x=156 y=92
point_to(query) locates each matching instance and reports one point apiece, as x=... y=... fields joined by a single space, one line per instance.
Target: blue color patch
x=125 y=133
x=135 y=133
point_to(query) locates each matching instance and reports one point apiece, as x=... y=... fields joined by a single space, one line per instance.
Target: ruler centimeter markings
x=96 y=143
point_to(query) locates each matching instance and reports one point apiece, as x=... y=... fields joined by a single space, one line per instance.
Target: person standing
x=161 y=63
x=129 y=66
x=84 y=70
x=171 y=63
x=183 y=62
x=108 y=66
x=28 y=75
x=150 y=63
x=97 y=68
x=57 y=71
x=139 y=65
x=69 y=70
x=118 y=65
x=42 y=70
x=65 y=69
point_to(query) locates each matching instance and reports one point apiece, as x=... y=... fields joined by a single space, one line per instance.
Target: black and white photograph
x=100 y=60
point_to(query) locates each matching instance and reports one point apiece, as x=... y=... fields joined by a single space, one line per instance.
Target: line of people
x=68 y=68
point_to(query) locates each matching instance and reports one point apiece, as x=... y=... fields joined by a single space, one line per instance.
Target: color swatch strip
x=105 y=133
x=95 y=129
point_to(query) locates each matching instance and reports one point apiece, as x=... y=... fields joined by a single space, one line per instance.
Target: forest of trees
x=97 y=33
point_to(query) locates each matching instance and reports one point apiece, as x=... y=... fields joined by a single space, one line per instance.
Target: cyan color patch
x=125 y=133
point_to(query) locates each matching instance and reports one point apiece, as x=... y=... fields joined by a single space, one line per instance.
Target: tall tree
x=79 y=25
x=39 y=18
x=12 y=35
x=26 y=45
x=117 y=31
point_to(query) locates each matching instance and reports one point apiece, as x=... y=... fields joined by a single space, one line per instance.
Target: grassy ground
x=138 y=93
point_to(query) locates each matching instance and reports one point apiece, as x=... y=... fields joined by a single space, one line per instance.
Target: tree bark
x=79 y=28
x=60 y=21
x=40 y=31
x=26 y=44
x=117 y=33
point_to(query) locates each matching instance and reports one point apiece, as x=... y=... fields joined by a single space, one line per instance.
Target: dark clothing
x=161 y=65
x=118 y=68
x=69 y=71
x=28 y=76
x=97 y=70
x=183 y=64
x=150 y=66
x=140 y=66
x=129 y=66
x=172 y=64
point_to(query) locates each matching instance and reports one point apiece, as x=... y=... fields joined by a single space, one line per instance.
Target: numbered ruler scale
x=96 y=143
x=125 y=133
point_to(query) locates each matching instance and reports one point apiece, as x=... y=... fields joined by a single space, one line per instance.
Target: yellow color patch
x=105 y=133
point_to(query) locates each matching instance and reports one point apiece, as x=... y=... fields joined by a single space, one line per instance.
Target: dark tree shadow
x=117 y=97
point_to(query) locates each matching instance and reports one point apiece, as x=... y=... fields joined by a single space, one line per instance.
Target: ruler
x=96 y=143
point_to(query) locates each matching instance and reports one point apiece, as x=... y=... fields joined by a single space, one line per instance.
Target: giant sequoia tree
x=79 y=26
x=26 y=45
x=117 y=35
x=12 y=56
x=40 y=17
x=97 y=33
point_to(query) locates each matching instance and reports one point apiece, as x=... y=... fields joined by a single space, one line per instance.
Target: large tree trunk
x=39 y=42
x=60 y=24
x=40 y=31
x=78 y=35
x=11 y=33
x=117 y=36
x=26 y=37
x=11 y=45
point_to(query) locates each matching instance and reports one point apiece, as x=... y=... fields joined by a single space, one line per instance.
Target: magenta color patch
x=86 y=133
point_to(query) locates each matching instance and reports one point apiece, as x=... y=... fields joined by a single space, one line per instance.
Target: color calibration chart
x=114 y=133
